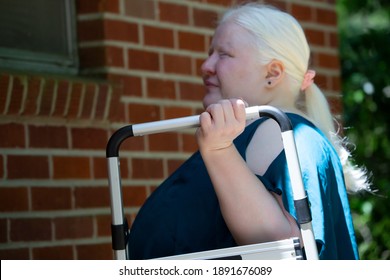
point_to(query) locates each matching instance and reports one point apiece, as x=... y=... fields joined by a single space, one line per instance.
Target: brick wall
x=140 y=61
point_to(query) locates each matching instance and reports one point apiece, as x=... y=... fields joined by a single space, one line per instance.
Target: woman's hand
x=220 y=124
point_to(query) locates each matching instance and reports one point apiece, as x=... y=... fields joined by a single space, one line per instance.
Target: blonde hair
x=279 y=36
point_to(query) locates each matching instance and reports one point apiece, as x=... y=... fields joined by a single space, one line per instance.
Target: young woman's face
x=233 y=69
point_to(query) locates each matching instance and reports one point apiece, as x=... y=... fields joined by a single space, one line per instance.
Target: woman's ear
x=275 y=72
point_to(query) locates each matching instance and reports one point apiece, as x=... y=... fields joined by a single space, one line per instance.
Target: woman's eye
x=223 y=54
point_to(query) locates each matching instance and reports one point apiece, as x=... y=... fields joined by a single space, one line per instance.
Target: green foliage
x=365 y=58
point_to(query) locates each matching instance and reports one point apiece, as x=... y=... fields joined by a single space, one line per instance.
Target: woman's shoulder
x=266 y=143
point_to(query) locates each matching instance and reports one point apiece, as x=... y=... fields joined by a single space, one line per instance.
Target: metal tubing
x=118 y=229
x=254 y=112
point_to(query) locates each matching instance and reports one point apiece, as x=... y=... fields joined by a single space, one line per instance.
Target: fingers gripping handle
x=252 y=113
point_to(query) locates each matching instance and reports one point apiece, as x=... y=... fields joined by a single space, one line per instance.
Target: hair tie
x=308 y=79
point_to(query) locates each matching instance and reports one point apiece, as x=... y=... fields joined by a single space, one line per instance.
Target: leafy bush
x=364 y=28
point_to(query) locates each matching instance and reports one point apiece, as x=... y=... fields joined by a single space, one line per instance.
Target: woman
x=235 y=190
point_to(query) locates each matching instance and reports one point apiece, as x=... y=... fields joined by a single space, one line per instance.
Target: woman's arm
x=251 y=212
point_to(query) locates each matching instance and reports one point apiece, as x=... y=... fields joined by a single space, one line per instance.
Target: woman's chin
x=211 y=98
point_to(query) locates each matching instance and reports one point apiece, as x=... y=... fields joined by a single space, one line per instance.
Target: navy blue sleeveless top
x=183 y=215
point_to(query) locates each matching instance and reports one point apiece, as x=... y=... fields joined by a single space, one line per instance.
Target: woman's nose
x=208 y=66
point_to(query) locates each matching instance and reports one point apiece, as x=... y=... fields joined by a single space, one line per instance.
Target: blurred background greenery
x=364 y=27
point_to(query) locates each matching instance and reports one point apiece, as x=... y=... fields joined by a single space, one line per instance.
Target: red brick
x=103 y=225
x=62 y=97
x=30 y=229
x=14 y=254
x=100 y=168
x=189 y=143
x=90 y=30
x=53 y=253
x=315 y=37
x=143 y=60
x=155 y=36
x=88 y=102
x=2 y=173
x=114 y=57
x=15 y=104
x=147 y=168
x=101 y=56
x=191 y=91
x=124 y=168
x=133 y=196
x=95 y=252
x=326 y=17
x=164 y=142
x=330 y=61
x=13 y=199
x=28 y=167
x=133 y=144
x=139 y=113
x=71 y=168
x=177 y=64
x=102 y=100
x=121 y=31
x=173 y=13
x=336 y=105
x=336 y=84
x=12 y=135
x=51 y=198
x=302 y=12
x=89 y=138
x=34 y=88
x=199 y=111
x=131 y=86
x=47 y=137
x=3 y=232
x=140 y=9
x=205 y=18
x=92 y=197
x=73 y=227
x=116 y=107
x=5 y=79
x=75 y=100
x=173 y=165
x=322 y=81
x=333 y=38
x=87 y=6
x=173 y=112
x=192 y=41
x=92 y=57
x=109 y=6
x=157 y=88
x=4 y=84
x=227 y=3
x=46 y=102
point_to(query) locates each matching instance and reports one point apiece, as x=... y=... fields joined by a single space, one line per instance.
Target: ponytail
x=317 y=109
